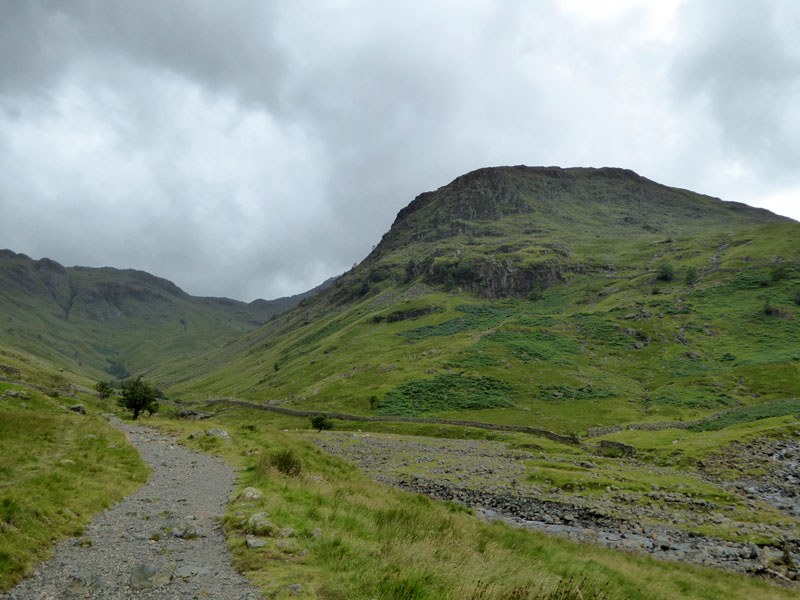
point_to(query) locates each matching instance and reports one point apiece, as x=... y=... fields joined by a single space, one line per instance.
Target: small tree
x=320 y=422
x=137 y=397
x=666 y=272
x=691 y=275
x=104 y=389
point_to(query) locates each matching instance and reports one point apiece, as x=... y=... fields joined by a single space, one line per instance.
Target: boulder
x=146 y=576
x=84 y=585
x=254 y=542
x=259 y=524
x=78 y=408
x=220 y=433
x=187 y=571
x=295 y=589
x=250 y=494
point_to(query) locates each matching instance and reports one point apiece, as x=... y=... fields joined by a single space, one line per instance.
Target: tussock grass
x=58 y=469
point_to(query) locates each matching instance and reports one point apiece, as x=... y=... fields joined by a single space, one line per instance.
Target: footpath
x=162 y=542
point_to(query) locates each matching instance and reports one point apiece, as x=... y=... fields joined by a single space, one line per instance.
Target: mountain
x=565 y=298
x=102 y=321
x=652 y=330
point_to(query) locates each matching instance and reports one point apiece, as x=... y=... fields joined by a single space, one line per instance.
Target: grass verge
x=58 y=469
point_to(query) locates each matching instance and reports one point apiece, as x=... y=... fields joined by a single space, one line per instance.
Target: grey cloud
x=256 y=148
x=227 y=46
x=743 y=60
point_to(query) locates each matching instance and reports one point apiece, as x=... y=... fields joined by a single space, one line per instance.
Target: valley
x=627 y=354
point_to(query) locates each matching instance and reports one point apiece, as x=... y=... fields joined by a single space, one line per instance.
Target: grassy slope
x=82 y=318
x=58 y=468
x=571 y=358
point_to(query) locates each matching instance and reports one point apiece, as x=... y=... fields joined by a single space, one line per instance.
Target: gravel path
x=162 y=542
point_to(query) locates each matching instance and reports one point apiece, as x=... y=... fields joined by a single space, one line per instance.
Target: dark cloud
x=253 y=149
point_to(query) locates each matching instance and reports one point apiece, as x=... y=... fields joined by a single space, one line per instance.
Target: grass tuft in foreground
x=58 y=469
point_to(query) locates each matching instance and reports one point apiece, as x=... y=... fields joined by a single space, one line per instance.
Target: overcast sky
x=254 y=148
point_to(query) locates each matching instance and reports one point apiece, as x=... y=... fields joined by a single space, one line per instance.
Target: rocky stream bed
x=491 y=478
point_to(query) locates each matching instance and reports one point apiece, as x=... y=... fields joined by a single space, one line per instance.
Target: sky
x=252 y=149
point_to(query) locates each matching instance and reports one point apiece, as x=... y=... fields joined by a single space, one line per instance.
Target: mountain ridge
x=96 y=317
x=489 y=193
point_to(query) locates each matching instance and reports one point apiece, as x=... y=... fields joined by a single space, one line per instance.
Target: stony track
x=162 y=542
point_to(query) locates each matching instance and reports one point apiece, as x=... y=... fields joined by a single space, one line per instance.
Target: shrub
x=691 y=275
x=778 y=272
x=411 y=270
x=666 y=272
x=378 y=274
x=537 y=292
x=286 y=462
x=104 y=389
x=320 y=422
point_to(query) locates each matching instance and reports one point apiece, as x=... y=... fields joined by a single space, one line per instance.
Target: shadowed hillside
x=110 y=321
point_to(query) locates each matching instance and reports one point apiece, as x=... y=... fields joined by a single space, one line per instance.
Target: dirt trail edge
x=162 y=542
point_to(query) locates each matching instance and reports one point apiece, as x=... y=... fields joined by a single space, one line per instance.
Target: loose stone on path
x=162 y=542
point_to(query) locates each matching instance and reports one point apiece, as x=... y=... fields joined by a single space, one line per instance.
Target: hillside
x=564 y=298
x=107 y=321
x=652 y=331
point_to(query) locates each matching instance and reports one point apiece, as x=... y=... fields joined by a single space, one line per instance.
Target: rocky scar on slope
x=162 y=542
x=777 y=467
x=490 y=477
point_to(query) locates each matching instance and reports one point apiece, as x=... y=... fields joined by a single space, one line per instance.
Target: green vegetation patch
x=472 y=358
x=751 y=413
x=446 y=392
x=541 y=345
x=599 y=330
x=476 y=316
x=699 y=395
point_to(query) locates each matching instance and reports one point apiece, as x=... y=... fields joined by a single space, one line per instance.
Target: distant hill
x=105 y=321
x=566 y=298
